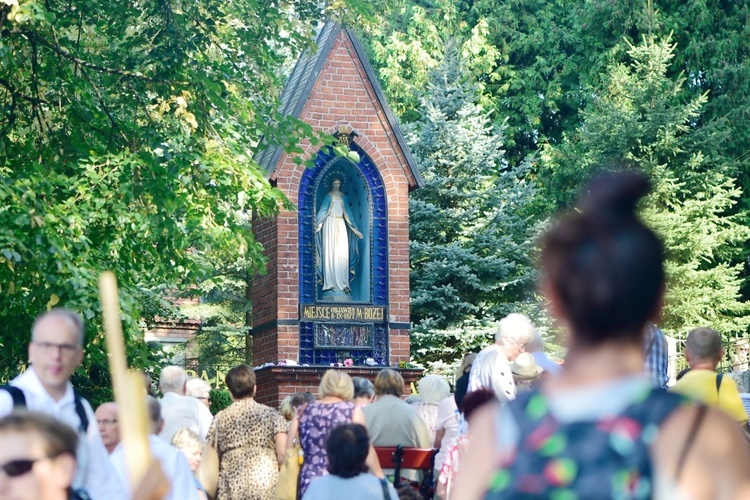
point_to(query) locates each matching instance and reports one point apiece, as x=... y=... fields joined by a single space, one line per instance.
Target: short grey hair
x=703 y=344
x=433 y=389
x=197 y=388
x=172 y=379
x=73 y=318
x=363 y=388
x=154 y=410
x=536 y=344
x=515 y=328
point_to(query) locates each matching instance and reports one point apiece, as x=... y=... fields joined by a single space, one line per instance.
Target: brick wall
x=342 y=95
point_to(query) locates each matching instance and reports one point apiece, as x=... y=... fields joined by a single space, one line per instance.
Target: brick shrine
x=335 y=90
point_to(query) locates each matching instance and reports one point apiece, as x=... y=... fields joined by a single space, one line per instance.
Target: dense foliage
x=128 y=134
x=638 y=117
x=470 y=237
x=579 y=86
x=128 y=131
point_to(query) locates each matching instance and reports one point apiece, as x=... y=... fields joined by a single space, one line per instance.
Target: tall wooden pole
x=130 y=394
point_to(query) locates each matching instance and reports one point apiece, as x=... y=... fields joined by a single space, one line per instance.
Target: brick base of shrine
x=274 y=383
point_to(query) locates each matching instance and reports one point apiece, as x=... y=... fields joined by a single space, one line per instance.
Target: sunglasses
x=16 y=468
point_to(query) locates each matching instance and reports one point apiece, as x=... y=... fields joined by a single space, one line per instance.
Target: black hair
x=604 y=264
x=347 y=447
x=475 y=400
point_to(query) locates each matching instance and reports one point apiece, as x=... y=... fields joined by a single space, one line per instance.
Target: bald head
x=106 y=409
x=703 y=345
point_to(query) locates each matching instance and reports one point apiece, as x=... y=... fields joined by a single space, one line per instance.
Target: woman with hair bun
x=599 y=429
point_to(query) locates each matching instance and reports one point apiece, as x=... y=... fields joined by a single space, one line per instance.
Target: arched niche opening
x=364 y=190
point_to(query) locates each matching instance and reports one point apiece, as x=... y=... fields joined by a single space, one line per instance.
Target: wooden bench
x=400 y=457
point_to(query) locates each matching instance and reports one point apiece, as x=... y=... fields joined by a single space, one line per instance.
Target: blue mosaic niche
x=371 y=284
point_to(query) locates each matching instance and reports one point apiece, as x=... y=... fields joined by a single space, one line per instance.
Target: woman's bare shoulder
x=703 y=450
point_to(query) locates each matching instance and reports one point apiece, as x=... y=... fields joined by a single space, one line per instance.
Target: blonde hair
x=433 y=389
x=465 y=363
x=389 y=382
x=286 y=408
x=185 y=439
x=336 y=383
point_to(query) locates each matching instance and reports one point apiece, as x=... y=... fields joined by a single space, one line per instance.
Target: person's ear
x=79 y=358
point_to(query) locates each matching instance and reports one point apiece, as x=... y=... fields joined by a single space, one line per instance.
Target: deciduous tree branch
x=86 y=64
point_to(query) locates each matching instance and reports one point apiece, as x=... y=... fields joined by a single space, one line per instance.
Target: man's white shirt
x=183 y=412
x=174 y=464
x=491 y=370
x=94 y=473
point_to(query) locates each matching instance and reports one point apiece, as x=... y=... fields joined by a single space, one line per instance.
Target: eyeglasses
x=16 y=468
x=67 y=349
x=107 y=421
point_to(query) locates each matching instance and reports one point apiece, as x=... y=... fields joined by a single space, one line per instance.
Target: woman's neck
x=248 y=398
x=585 y=364
x=330 y=399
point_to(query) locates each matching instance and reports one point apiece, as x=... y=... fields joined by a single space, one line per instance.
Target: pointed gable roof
x=299 y=86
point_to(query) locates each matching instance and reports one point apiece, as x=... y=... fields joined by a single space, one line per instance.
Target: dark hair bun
x=615 y=195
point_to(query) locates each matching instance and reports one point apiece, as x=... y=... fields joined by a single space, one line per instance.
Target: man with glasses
x=109 y=428
x=199 y=389
x=55 y=351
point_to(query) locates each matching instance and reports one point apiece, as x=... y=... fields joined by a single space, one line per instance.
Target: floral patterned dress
x=316 y=421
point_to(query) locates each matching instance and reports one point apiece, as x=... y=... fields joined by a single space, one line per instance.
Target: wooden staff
x=130 y=395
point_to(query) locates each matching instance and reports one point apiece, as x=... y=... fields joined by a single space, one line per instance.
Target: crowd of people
x=515 y=424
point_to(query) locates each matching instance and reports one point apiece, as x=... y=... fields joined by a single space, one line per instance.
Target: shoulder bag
x=208 y=470
x=286 y=488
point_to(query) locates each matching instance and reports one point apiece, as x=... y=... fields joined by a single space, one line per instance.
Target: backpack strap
x=19 y=400
x=81 y=411
x=384 y=485
x=694 y=429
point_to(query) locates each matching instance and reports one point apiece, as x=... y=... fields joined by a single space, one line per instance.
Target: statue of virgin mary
x=337 y=239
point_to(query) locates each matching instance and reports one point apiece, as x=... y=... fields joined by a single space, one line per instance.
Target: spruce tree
x=638 y=117
x=469 y=223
